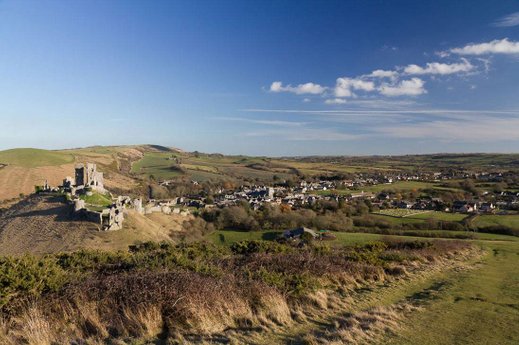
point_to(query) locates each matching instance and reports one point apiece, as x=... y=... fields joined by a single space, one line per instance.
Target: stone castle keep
x=87 y=175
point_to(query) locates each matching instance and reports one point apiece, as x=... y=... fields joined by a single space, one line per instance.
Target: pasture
x=32 y=158
x=228 y=237
x=401 y=212
x=421 y=215
x=511 y=221
x=158 y=164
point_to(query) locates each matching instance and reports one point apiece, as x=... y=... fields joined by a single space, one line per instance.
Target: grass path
x=412 y=290
x=479 y=306
x=387 y=294
x=471 y=302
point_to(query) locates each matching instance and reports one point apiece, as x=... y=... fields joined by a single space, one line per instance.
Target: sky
x=276 y=78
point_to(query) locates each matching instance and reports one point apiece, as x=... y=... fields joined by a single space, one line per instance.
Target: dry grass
x=229 y=304
x=362 y=327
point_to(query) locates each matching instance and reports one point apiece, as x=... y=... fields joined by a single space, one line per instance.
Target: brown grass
x=189 y=307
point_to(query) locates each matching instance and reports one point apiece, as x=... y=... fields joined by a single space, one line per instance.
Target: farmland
x=511 y=221
x=418 y=214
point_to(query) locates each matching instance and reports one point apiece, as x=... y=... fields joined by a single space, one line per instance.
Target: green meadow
x=32 y=158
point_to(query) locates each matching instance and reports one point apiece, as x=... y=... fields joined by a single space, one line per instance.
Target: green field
x=445 y=216
x=31 y=158
x=97 y=199
x=400 y=212
x=158 y=164
x=511 y=221
x=228 y=237
x=409 y=216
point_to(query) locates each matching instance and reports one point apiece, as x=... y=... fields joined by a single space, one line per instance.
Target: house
x=298 y=232
x=464 y=207
x=404 y=204
x=487 y=207
x=383 y=196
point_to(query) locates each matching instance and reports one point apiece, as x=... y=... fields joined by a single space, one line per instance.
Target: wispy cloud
x=504 y=46
x=335 y=101
x=411 y=87
x=440 y=68
x=511 y=19
x=380 y=73
x=460 y=113
x=301 y=89
x=445 y=125
x=306 y=134
x=344 y=86
x=476 y=130
x=281 y=123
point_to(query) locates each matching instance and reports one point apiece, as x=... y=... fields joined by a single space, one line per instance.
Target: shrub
x=252 y=246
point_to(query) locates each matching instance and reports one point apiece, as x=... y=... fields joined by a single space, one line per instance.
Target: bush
x=250 y=247
x=499 y=229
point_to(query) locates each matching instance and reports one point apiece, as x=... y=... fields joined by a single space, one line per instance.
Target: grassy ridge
x=31 y=158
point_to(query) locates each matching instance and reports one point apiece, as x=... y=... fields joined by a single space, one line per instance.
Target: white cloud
x=410 y=87
x=306 y=100
x=508 y=20
x=344 y=86
x=380 y=73
x=308 y=88
x=335 y=101
x=440 y=68
x=503 y=46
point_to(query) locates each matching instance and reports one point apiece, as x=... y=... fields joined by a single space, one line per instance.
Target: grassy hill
x=31 y=158
x=125 y=166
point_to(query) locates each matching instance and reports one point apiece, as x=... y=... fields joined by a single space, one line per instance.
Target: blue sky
x=262 y=77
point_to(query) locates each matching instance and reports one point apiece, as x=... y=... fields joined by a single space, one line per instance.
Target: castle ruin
x=88 y=176
x=88 y=180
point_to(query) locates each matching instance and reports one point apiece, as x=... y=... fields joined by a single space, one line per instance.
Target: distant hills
x=126 y=167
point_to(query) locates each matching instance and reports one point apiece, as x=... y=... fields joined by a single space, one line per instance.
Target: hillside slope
x=43 y=224
x=22 y=169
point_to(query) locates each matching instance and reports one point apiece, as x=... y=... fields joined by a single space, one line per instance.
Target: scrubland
x=200 y=293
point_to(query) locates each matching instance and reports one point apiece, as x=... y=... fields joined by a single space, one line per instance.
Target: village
x=307 y=193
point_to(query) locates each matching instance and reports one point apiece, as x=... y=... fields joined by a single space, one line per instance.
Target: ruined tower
x=89 y=176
